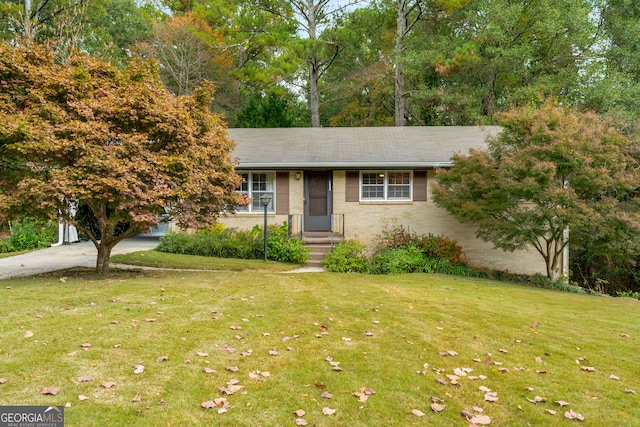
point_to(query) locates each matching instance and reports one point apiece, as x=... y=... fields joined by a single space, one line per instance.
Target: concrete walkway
x=67 y=256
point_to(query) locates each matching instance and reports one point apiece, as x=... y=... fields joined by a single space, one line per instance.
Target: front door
x=317 y=201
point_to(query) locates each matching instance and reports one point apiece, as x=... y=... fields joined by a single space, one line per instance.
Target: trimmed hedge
x=232 y=243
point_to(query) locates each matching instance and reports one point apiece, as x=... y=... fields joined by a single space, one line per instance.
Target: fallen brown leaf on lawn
x=534 y=325
x=246 y=353
x=83 y=379
x=573 y=416
x=562 y=403
x=162 y=359
x=480 y=419
x=209 y=404
x=460 y=372
x=537 y=399
x=255 y=376
x=28 y=334
x=85 y=346
x=485 y=389
x=328 y=411
x=320 y=384
x=630 y=391
x=232 y=387
x=82 y=397
x=273 y=352
x=326 y=395
x=491 y=396
x=301 y=422
x=50 y=390
x=201 y=354
x=3 y=380
x=502 y=350
x=107 y=384
x=150 y=320
x=625 y=335
x=541 y=371
x=478 y=409
x=614 y=377
x=437 y=407
x=138 y=369
x=208 y=370
x=417 y=413
x=137 y=397
x=300 y=413
x=588 y=368
x=551 y=411
x=233 y=368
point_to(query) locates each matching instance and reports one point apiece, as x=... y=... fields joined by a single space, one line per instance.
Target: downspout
x=60 y=235
x=565 y=242
x=565 y=254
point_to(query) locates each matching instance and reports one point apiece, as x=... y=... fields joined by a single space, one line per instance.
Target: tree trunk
x=314 y=97
x=401 y=29
x=314 y=66
x=102 y=263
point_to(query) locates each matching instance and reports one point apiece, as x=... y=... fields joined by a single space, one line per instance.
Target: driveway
x=67 y=256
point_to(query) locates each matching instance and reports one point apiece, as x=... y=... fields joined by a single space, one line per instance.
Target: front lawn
x=312 y=341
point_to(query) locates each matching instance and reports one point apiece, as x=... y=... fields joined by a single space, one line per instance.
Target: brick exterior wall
x=363 y=221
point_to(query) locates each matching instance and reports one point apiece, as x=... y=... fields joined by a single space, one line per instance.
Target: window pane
x=397 y=178
x=244 y=185
x=257 y=204
x=259 y=182
x=372 y=192
x=398 y=192
x=373 y=185
x=372 y=178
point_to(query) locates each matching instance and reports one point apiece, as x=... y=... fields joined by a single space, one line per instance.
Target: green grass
x=165 y=260
x=135 y=317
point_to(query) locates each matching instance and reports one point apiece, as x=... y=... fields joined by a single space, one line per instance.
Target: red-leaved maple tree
x=113 y=139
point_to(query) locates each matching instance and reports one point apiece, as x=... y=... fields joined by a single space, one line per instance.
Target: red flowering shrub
x=431 y=245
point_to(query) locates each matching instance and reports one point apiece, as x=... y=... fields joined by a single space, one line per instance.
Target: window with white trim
x=385 y=185
x=254 y=185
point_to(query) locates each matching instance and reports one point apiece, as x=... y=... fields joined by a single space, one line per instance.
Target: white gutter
x=343 y=165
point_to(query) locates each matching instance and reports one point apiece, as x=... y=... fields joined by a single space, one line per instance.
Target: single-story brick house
x=355 y=182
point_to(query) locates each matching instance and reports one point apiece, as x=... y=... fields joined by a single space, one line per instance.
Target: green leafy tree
x=113 y=139
x=550 y=170
x=358 y=88
x=469 y=62
x=272 y=111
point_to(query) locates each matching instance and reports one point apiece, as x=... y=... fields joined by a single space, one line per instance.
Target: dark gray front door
x=317 y=201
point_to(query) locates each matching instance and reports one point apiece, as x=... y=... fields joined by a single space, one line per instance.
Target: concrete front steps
x=319 y=244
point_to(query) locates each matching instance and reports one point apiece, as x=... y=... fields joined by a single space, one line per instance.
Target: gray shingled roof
x=372 y=147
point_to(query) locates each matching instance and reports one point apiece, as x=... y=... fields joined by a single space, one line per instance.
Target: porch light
x=298 y=175
x=265 y=199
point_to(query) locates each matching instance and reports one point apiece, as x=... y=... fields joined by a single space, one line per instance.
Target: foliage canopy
x=113 y=139
x=550 y=170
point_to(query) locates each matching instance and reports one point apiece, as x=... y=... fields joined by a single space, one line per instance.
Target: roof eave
x=345 y=165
